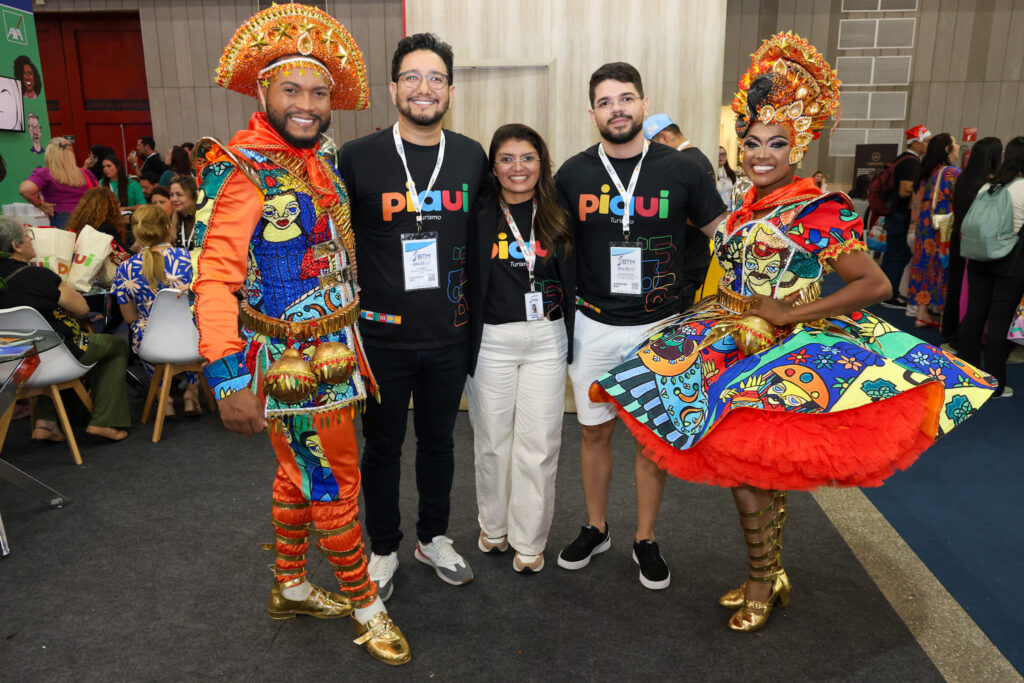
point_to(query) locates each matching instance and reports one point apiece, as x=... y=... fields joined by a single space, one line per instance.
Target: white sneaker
x=382 y=570
x=1016 y=356
x=448 y=564
x=911 y=311
x=1007 y=393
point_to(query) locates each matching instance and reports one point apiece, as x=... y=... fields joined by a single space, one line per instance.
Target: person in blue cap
x=696 y=251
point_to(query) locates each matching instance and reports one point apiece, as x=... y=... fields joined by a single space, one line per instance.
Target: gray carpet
x=154 y=572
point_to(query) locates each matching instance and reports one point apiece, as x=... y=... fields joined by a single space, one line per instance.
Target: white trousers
x=516 y=400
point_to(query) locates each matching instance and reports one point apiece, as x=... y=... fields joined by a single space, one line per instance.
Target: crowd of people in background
x=972 y=302
x=159 y=205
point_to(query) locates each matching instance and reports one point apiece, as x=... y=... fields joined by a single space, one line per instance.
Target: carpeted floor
x=958 y=509
x=154 y=571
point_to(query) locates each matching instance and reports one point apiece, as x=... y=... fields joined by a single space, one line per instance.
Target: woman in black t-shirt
x=520 y=308
x=22 y=284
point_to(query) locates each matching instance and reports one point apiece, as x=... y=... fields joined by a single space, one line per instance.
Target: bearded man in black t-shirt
x=410 y=188
x=629 y=277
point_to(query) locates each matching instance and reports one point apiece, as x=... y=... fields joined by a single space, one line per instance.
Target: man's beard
x=279 y=122
x=420 y=119
x=624 y=137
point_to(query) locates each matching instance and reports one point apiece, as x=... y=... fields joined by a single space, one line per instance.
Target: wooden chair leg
x=154 y=384
x=5 y=423
x=83 y=394
x=165 y=392
x=65 y=423
x=211 y=402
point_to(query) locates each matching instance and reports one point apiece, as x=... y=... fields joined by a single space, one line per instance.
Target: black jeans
x=434 y=378
x=897 y=252
x=954 y=286
x=994 y=289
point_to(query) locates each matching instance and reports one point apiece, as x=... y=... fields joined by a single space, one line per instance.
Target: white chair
x=58 y=369
x=171 y=344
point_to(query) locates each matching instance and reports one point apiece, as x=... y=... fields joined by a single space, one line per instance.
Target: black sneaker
x=654 y=573
x=590 y=542
x=894 y=302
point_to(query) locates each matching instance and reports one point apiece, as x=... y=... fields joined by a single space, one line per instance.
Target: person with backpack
x=995 y=286
x=894 y=187
x=985 y=157
x=934 y=186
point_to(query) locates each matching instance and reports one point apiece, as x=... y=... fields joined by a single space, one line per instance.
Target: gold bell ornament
x=333 y=363
x=290 y=379
x=753 y=334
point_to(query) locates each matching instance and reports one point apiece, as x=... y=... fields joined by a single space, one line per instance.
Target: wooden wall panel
x=676 y=46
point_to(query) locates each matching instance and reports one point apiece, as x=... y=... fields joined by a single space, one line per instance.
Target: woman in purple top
x=56 y=188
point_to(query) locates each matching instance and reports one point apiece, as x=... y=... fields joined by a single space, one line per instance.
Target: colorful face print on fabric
x=318 y=480
x=280 y=216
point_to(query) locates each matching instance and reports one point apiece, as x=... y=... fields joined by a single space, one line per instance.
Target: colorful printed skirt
x=840 y=402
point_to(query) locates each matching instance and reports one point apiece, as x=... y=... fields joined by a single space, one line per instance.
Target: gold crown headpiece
x=804 y=91
x=301 y=37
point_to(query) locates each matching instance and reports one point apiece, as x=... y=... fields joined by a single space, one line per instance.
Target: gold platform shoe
x=734 y=598
x=383 y=639
x=319 y=603
x=764 y=551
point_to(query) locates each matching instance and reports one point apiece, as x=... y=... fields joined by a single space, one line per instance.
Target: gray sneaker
x=382 y=570
x=448 y=564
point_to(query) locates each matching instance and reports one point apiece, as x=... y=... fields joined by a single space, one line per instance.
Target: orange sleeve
x=233 y=215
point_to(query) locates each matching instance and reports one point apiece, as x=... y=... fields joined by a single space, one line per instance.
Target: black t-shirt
x=671 y=189
x=509 y=277
x=697 y=252
x=39 y=288
x=907 y=166
x=381 y=214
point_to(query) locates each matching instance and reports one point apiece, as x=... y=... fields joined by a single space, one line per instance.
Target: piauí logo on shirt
x=605 y=203
x=433 y=202
x=506 y=247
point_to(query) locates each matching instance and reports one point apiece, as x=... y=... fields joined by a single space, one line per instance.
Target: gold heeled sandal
x=764 y=568
x=734 y=598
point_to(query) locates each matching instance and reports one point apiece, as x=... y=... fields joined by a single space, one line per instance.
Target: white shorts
x=597 y=348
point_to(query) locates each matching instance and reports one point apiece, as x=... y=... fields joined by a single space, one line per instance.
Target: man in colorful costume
x=272 y=220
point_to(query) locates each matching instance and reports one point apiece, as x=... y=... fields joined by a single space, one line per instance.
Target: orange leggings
x=316 y=493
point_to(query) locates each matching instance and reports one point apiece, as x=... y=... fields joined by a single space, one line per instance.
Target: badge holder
x=419 y=261
x=626 y=261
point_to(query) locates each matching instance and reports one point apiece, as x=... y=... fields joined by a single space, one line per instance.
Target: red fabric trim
x=800 y=451
x=801 y=189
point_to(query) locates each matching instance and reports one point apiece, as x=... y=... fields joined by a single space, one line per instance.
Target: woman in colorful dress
x=832 y=395
x=157 y=266
x=930 y=259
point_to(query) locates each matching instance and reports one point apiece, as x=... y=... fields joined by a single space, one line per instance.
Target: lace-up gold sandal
x=765 y=567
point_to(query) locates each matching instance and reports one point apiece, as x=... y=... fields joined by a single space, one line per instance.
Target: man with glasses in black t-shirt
x=410 y=188
x=629 y=202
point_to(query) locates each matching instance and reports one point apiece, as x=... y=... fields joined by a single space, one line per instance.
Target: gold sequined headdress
x=804 y=91
x=302 y=38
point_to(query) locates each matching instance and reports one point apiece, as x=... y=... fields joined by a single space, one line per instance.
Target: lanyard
x=413 y=194
x=624 y=192
x=181 y=231
x=528 y=253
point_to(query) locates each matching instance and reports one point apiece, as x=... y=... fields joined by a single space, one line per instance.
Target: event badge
x=534 y=306
x=419 y=260
x=626 y=268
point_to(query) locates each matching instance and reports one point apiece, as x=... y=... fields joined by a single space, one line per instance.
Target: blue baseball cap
x=655 y=124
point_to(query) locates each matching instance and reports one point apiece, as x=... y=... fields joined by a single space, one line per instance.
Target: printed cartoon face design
x=280 y=216
x=685 y=398
x=764 y=257
x=796 y=386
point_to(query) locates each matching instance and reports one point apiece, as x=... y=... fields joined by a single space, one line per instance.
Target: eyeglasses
x=30 y=233
x=411 y=79
x=509 y=160
x=624 y=100
x=64 y=145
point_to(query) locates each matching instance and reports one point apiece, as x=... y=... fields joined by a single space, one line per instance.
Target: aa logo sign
x=14 y=28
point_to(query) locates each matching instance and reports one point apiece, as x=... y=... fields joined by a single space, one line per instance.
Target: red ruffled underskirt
x=802 y=451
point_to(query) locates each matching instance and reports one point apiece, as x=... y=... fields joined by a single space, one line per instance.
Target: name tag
x=534 y=306
x=419 y=260
x=626 y=264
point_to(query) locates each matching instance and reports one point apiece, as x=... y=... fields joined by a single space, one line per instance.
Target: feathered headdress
x=302 y=38
x=803 y=92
